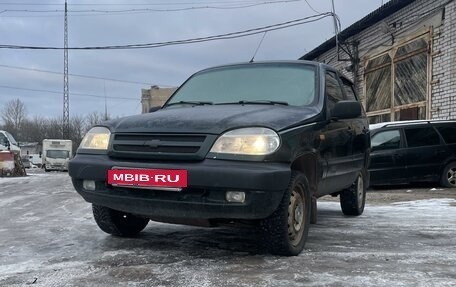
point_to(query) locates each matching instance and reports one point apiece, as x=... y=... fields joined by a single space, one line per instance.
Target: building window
x=397 y=82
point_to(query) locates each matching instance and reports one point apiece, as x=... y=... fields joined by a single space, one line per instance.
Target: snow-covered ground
x=48 y=238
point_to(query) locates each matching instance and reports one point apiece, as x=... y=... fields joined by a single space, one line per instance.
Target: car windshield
x=11 y=138
x=58 y=154
x=285 y=84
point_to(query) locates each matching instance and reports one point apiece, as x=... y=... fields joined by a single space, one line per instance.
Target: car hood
x=213 y=119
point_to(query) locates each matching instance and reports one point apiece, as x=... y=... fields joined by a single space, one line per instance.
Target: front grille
x=160 y=146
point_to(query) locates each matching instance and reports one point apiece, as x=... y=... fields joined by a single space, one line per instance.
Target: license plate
x=148 y=177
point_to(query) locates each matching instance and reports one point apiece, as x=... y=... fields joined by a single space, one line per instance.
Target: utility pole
x=66 y=100
x=336 y=29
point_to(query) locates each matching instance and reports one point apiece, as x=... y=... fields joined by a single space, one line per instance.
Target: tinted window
x=333 y=90
x=349 y=92
x=386 y=140
x=448 y=134
x=422 y=137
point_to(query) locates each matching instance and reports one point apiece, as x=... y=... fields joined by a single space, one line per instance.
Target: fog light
x=88 y=184
x=235 y=196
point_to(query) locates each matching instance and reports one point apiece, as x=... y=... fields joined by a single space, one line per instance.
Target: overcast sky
x=165 y=66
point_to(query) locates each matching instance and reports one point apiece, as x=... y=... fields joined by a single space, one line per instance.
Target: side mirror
x=346 y=110
x=7 y=144
x=154 y=109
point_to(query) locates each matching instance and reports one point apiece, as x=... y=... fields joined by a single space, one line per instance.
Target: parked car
x=252 y=143
x=413 y=151
x=26 y=161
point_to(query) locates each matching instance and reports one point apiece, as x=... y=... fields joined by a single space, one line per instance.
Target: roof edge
x=374 y=17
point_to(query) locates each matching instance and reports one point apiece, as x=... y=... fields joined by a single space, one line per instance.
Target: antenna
x=259 y=45
x=106 y=104
x=66 y=100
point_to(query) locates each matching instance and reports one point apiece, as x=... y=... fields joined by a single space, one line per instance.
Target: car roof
x=407 y=123
x=298 y=62
x=294 y=62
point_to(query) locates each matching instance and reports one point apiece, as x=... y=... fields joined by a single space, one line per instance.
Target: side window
x=386 y=140
x=422 y=137
x=448 y=133
x=349 y=91
x=333 y=90
x=3 y=139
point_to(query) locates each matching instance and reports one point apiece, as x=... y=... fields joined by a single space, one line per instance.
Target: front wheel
x=448 y=178
x=353 y=199
x=286 y=230
x=117 y=222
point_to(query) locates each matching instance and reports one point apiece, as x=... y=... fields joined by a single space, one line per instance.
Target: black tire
x=117 y=222
x=286 y=230
x=353 y=199
x=448 y=178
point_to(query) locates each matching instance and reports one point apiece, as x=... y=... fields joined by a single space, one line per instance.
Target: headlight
x=96 y=138
x=247 y=141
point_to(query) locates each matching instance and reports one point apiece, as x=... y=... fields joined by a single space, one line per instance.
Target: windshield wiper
x=258 y=102
x=195 y=103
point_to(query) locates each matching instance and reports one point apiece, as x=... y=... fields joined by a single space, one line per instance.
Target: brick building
x=154 y=97
x=401 y=58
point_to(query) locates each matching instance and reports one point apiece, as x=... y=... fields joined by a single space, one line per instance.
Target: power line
x=311 y=8
x=85 y=76
x=238 y=5
x=232 y=35
x=145 y=4
x=141 y=9
x=60 y=92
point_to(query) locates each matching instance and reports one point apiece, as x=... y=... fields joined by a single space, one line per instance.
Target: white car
x=7 y=142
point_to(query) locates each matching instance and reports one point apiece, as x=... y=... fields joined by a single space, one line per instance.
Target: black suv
x=252 y=143
x=413 y=151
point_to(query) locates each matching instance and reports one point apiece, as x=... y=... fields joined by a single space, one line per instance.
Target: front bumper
x=56 y=167
x=204 y=198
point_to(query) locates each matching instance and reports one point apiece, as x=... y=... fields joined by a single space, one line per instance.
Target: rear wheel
x=286 y=230
x=353 y=199
x=448 y=178
x=117 y=222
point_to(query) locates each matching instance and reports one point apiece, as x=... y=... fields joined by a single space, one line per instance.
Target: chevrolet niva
x=253 y=143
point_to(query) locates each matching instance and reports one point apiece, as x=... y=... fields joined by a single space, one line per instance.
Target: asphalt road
x=48 y=238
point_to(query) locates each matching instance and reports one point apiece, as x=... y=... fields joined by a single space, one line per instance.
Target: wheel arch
x=450 y=162
x=308 y=165
x=446 y=163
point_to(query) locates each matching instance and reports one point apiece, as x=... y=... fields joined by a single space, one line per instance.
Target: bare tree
x=54 y=128
x=34 y=129
x=77 y=130
x=13 y=115
x=95 y=118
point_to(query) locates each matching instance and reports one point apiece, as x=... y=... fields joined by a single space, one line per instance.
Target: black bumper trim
x=208 y=181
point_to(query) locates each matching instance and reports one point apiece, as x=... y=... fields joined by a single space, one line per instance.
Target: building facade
x=154 y=97
x=401 y=58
